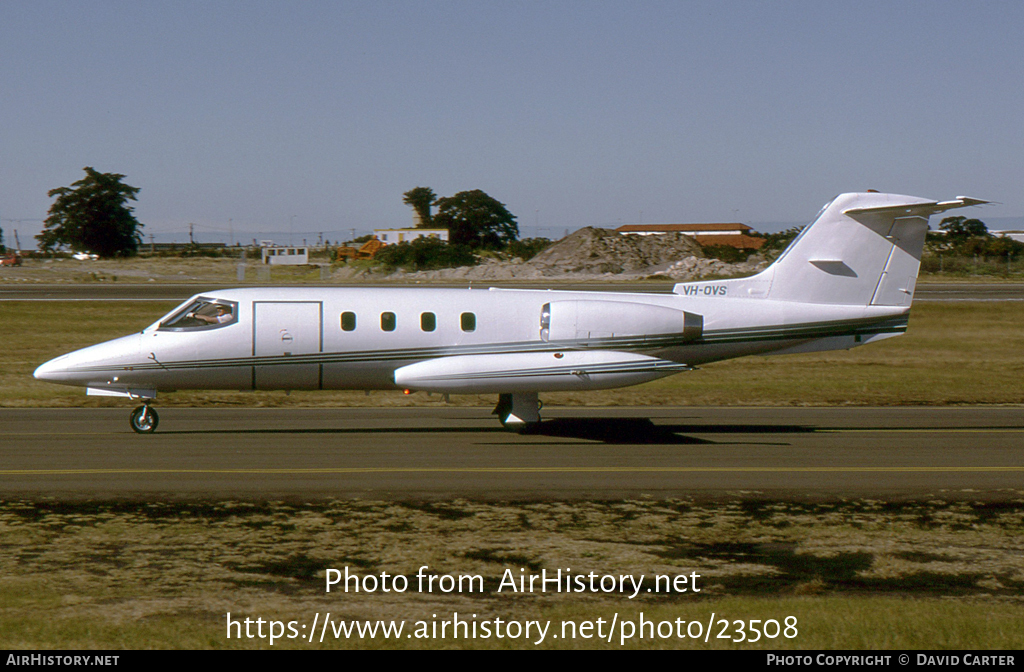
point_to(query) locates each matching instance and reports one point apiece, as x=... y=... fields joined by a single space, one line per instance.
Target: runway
x=967 y=291
x=453 y=452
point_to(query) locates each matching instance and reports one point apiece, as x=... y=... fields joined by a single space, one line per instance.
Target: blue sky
x=300 y=117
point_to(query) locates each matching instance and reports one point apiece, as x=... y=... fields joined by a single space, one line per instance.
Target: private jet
x=846 y=280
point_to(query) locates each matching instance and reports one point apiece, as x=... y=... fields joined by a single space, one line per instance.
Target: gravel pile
x=591 y=253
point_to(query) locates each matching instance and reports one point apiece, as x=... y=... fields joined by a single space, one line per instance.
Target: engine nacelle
x=534 y=372
x=587 y=320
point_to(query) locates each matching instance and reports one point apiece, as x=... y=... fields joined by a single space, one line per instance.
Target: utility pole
x=17 y=243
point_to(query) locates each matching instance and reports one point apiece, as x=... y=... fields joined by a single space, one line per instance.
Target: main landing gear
x=518 y=411
x=144 y=419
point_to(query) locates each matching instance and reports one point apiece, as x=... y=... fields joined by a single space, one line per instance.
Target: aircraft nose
x=96 y=363
x=52 y=371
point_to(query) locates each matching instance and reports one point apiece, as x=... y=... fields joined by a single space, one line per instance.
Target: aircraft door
x=287 y=339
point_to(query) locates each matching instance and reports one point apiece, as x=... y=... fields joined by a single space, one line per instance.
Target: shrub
x=527 y=248
x=727 y=253
x=425 y=254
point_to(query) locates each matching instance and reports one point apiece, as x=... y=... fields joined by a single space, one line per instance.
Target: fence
x=948 y=264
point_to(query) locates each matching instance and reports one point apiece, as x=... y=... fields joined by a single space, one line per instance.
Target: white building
x=282 y=255
x=733 y=235
x=1010 y=233
x=393 y=236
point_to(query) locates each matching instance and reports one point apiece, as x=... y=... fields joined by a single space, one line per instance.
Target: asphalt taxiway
x=577 y=453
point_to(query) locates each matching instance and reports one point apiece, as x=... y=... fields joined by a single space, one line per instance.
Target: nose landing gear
x=144 y=419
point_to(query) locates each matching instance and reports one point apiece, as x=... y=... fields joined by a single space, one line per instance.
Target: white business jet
x=846 y=280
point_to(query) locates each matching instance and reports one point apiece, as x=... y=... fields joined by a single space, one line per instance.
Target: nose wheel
x=144 y=419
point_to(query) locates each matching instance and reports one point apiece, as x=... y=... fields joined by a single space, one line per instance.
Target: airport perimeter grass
x=825 y=623
x=858 y=575
x=953 y=353
x=855 y=575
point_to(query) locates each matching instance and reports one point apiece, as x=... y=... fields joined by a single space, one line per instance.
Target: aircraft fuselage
x=354 y=338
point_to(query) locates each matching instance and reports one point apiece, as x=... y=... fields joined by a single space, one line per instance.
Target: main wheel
x=519 y=411
x=144 y=419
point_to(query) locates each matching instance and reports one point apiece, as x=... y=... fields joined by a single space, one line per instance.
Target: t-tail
x=863 y=249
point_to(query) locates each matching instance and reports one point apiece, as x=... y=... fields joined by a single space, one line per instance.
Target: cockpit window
x=202 y=314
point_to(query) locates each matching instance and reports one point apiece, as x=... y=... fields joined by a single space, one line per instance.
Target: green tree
x=475 y=219
x=425 y=254
x=420 y=199
x=527 y=248
x=1001 y=246
x=776 y=243
x=960 y=228
x=93 y=215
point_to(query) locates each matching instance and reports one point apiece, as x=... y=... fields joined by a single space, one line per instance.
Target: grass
x=855 y=575
x=978 y=268
x=823 y=623
x=953 y=353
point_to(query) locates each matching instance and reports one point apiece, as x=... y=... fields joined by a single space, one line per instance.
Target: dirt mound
x=600 y=251
x=591 y=253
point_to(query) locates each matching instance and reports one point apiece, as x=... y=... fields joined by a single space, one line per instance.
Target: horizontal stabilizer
x=918 y=209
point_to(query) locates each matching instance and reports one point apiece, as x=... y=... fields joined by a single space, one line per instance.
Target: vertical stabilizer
x=863 y=249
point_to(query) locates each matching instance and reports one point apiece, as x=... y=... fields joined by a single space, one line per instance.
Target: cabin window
x=388 y=321
x=348 y=321
x=428 y=321
x=468 y=322
x=202 y=313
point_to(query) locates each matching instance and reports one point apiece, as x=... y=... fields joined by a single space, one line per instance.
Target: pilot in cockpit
x=202 y=314
x=221 y=314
